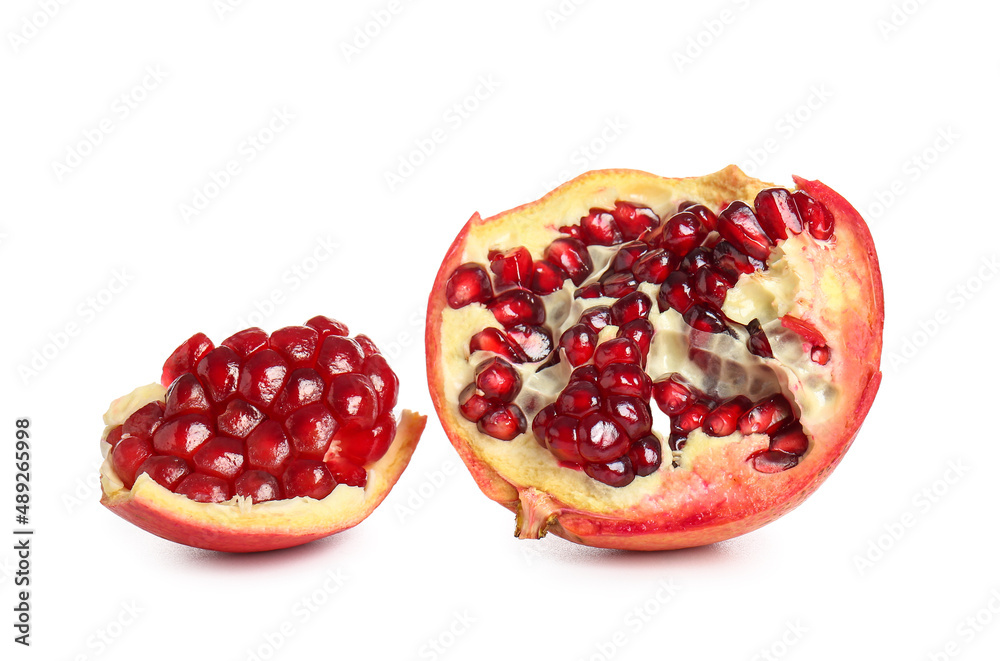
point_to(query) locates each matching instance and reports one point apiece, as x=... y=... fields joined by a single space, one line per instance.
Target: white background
x=899 y=119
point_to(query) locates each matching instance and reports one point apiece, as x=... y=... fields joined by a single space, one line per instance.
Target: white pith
x=766 y=296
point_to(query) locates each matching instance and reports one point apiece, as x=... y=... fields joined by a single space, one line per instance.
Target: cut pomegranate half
x=709 y=365
x=262 y=443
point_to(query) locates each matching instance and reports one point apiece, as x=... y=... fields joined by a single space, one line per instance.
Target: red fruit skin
x=721 y=496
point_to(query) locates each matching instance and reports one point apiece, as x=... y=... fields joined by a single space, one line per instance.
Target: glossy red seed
x=618 y=285
x=517 y=306
x=238 y=419
x=579 y=343
x=114 y=436
x=806 y=330
x=512 y=268
x=599 y=228
x=593 y=290
x=363 y=446
x=246 y=342
x=497 y=379
x=587 y=373
x=503 y=422
x=221 y=457
x=820 y=355
x=535 y=342
x=682 y=233
x=724 y=419
x=563 y=439
x=739 y=226
x=495 y=341
x=601 y=439
x=353 y=401
x=708 y=219
x=472 y=404
x=296 y=344
x=645 y=455
x=616 y=473
x=262 y=377
x=310 y=430
x=145 y=421
x=673 y=394
x=304 y=386
x=572 y=257
x=634 y=221
x=345 y=472
x=368 y=347
x=676 y=293
x=772 y=461
x=339 y=355
x=541 y=422
x=624 y=379
x=384 y=380
x=757 y=343
x=307 y=478
x=578 y=399
x=326 y=326
x=766 y=416
x=814 y=216
x=632 y=414
x=706 y=319
x=204 y=489
x=546 y=277
x=730 y=263
x=636 y=305
x=128 y=455
x=219 y=373
x=641 y=332
x=572 y=231
x=185 y=395
x=690 y=418
x=258 y=486
x=185 y=357
x=627 y=255
x=655 y=266
x=183 y=435
x=617 y=350
x=268 y=448
x=709 y=287
x=596 y=317
x=777 y=214
x=791 y=439
x=700 y=256
x=166 y=471
x=469 y=283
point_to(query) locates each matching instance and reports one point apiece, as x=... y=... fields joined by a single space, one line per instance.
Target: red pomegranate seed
x=339 y=355
x=578 y=399
x=384 y=380
x=634 y=221
x=503 y=422
x=492 y=339
x=627 y=255
x=579 y=343
x=310 y=429
x=220 y=457
x=724 y=419
x=263 y=376
x=807 y=331
x=304 y=386
x=268 y=448
x=654 y=266
x=790 y=439
x=700 y=256
x=128 y=455
x=814 y=215
x=326 y=326
x=219 y=372
x=616 y=473
x=710 y=287
x=309 y=479
x=573 y=231
x=708 y=219
x=639 y=331
x=353 y=401
x=618 y=285
x=730 y=263
x=541 y=422
x=706 y=319
x=535 y=342
x=676 y=293
x=512 y=267
x=472 y=404
x=739 y=226
x=246 y=342
x=630 y=413
x=145 y=421
x=183 y=435
x=546 y=277
x=673 y=394
x=296 y=344
x=563 y=439
x=345 y=472
x=469 y=283
x=624 y=379
x=363 y=446
x=114 y=436
x=820 y=355
x=691 y=418
x=617 y=350
x=596 y=318
x=258 y=486
x=766 y=416
x=204 y=489
x=587 y=373
x=164 y=470
x=776 y=213
x=682 y=233
x=677 y=440
x=517 y=306
x=601 y=439
x=238 y=419
x=757 y=343
x=628 y=308
x=185 y=395
x=599 y=228
x=497 y=379
x=645 y=455
x=368 y=347
x=772 y=461
x=572 y=257
x=592 y=290
x=185 y=357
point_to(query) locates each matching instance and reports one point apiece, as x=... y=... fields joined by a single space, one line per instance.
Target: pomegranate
x=715 y=347
x=263 y=442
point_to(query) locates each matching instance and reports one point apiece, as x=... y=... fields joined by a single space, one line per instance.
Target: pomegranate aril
x=494 y=340
x=579 y=343
x=820 y=355
x=183 y=435
x=599 y=228
x=654 y=266
x=766 y=416
x=268 y=448
x=185 y=357
x=618 y=285
x=791 y=439
x=757 y=343
x=674 y=394
x=204 y=489
x=246 y=342
x=238 y=419
x=772 y=461
x=616 y=473
x=704 y=215
x=627 y=256
x=503 y=422
x=114 y=436
x=573 y=231
x=634 y=221
x=546 y=277
x=541 y=422
x=563 y=439
x=166 y=471
x=586 y=373
x=296 y=344
x=777 y=213
x=625 y=379
x=512 y=267
x=617 y=350
x=630 y=413
x=262 y=377
x=706 y=319
x=710 y=287
x=353 y=401
x=185 y=395
x=258 y=486
x=677 y=440
x=628 y=308
x=326 y=326
x=724 y=419
x=596 y=317
x=700 y=256
x=676 y=293
x=304 y=386
x=572 y=257
x=690 y=418
x=339 y=355
x=601 y=439
x=517 y=306
x=310 y=429
x=815 y=216
x=645 y=455
x=345 y=472
x=739 y=226
x=473 y=405
x=145 y=421
x=579 y=398
x=498 y=379
x=128 y=455
x=368 y=347
x=806 y=330
x=592 y=290
x=219 y=373
x=469 y=283
x=221 y=457
x=730 y=263
x=639 y=331
x=535 y=342
x=307 y=478
x=363 y=446
x=384 y=380
x=682 y=233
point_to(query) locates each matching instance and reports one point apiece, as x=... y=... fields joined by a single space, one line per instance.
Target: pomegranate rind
x=718 y=496
x=238 y=525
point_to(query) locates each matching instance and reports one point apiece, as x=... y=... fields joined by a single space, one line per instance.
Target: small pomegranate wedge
x=638 y=362
x=260 y=443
